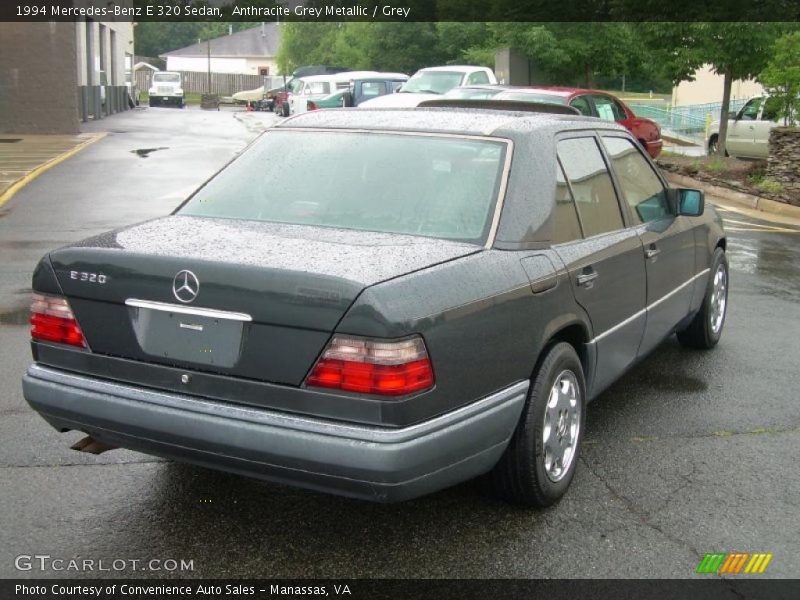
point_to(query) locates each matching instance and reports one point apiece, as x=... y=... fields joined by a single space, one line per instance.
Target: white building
x=707 y=88
x=252 y=52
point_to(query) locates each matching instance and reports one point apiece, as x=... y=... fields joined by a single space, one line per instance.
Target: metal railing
x=690 y=122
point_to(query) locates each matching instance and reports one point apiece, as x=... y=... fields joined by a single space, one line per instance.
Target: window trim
x=574 y=205
x=595 y=134
x=631 y=220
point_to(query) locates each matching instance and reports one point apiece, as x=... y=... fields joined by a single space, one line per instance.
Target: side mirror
x=690 y=203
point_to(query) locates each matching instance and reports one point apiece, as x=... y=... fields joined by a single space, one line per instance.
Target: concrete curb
x=747 y=200
x=33 y=174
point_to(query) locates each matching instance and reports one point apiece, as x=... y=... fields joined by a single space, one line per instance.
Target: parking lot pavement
x=691 y=452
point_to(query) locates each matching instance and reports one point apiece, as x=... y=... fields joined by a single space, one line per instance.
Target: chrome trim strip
x=189 y=310
x=618 y=326
x=647 y=308
x=515 y=393
x=677 y=289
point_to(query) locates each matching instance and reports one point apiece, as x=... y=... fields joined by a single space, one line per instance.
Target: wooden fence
x=223 y=84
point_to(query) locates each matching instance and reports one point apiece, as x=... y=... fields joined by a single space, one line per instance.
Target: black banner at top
x=401 y=10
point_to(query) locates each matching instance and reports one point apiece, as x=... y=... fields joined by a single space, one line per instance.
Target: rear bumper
x=373 y=463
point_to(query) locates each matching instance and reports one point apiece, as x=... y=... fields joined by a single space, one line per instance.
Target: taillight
x=373 y=366
x=52 y=321
x=311 y=106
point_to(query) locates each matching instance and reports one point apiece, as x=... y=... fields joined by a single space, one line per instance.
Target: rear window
x=433 y=186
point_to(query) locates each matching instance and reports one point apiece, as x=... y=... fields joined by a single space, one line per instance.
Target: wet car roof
x=471 y=121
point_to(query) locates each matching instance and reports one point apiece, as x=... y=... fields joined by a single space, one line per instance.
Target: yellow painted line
x=18 y=185
x=764 y=564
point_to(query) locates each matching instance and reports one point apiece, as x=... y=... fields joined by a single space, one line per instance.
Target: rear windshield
x=433 y=186
x=167 y=77
x=433 y=82
x=524 y=97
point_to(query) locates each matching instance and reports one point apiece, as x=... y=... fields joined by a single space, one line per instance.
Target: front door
x=667 y=240
x=606 y=267
x=741 y=130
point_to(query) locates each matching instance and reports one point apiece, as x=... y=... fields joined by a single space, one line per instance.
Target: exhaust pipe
x=92 y=446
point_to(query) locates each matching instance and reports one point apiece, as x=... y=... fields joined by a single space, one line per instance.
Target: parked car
x=359 y=91
x=473 y=282
x=594 y=103
x=748 y=129
x=305 y=89
x=166 y=88
x=475 y=92
x=433 y=80
x=277 y=97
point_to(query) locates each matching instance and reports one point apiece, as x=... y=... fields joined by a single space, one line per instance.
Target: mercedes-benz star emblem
x=185 y=286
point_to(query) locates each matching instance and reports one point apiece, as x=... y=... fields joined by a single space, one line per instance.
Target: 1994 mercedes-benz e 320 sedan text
x=382 y=303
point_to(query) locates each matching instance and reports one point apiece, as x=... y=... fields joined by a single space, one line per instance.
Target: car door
x=606 y=266
x=767 y=119
x=740 y=140
x=668 y=241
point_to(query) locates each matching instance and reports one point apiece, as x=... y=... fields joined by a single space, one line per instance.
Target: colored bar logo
x=734 y=563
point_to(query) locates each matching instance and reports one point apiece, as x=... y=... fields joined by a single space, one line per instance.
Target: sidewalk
x=24 y=157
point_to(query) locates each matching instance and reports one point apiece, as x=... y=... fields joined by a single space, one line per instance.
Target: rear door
x=668 y=241
x=606 y=266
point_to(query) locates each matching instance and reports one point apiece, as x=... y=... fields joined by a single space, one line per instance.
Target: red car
x=593 y=103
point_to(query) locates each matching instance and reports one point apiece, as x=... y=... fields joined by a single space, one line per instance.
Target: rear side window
x=583 y=106
x=641 y=187
x=608 y=109
x=478 y=77
x=566 y=227
x=591 y=185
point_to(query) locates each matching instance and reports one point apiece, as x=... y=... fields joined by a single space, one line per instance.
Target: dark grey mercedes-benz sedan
x=382 y=303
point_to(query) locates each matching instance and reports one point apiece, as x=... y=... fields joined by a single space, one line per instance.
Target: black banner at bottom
x=358 y=589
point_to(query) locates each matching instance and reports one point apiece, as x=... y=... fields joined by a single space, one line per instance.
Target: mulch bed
x=739 y=175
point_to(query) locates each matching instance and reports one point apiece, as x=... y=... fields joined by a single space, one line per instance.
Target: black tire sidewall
x=718 y=259
x=560 y=357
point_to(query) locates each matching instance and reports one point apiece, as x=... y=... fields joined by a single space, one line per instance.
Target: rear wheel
x=706 y=328
x=285 y=110
x=713 y=146
x=539 y=463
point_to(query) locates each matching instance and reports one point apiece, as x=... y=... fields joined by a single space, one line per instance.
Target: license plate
x=205 y=340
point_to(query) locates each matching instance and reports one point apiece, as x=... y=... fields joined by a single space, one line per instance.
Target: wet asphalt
x=690 y=452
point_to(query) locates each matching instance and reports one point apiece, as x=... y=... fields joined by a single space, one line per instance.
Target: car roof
x=464 y=121
x=462 y=68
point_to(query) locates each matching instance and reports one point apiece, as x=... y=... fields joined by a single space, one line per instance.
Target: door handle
x=652 y=252
x=586 y=279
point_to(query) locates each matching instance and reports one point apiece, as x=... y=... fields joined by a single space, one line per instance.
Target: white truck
x=166 y=88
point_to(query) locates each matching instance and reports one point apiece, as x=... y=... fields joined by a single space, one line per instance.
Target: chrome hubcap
x=719 y=298
x=562 y=422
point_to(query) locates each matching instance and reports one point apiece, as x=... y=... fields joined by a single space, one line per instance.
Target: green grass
x=715 y=165
x=769 y=186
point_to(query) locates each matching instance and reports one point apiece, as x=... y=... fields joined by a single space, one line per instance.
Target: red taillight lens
x=52 y=321
x=374 y=367
x=312 y=106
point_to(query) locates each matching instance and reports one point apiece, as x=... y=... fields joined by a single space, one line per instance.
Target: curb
x=30 y=176
x=747 y=200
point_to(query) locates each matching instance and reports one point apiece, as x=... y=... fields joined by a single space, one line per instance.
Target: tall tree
x=782 y=76
x=734 y=50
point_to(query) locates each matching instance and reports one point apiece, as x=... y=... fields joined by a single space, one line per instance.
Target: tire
x=153 y=103
x=523 y=474
x=713 y=145
x=705 y=329
x=285 y=110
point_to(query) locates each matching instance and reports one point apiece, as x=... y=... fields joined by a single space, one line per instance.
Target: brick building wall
x=38 y=78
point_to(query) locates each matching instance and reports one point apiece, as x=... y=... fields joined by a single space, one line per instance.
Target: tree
x=781 y=76
x=734 y=50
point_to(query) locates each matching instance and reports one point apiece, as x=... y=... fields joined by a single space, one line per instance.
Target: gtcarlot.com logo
x=734 y=563
x=45 y=562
